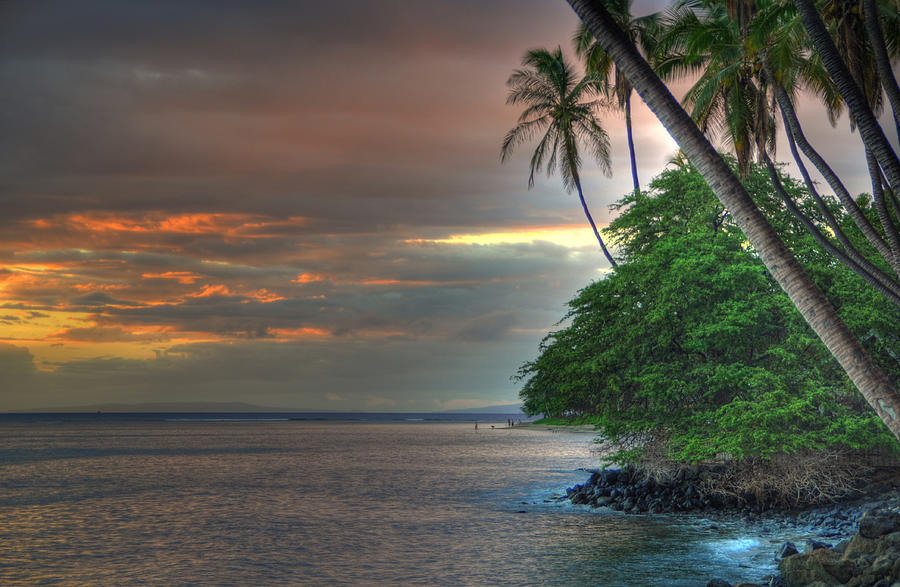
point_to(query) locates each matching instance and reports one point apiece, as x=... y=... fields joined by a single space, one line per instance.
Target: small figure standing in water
x=476 y=425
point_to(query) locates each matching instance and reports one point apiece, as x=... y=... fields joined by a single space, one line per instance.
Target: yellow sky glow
x=573 y=236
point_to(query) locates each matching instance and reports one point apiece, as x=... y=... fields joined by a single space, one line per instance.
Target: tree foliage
x=690 y=347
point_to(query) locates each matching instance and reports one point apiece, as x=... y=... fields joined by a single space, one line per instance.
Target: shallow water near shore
x=310 y=502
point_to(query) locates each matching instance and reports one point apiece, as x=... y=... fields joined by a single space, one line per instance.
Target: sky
x=291 y=204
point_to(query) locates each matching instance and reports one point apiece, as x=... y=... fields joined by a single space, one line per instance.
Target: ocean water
x=187 y=501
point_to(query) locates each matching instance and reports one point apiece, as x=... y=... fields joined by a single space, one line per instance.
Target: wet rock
x=878 y=522
x=860 y=545
x=718 y=583
x=821 y=566
x=787 y=549
x=812 y=545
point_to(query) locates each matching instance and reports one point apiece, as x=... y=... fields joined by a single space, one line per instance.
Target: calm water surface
x=239 y=503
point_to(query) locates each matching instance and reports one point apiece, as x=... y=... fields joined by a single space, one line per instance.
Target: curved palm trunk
x=890 y=231
x=869 y=129
x=874 y=385
x=634 y=175
x=849 y=256
x=859 y=264
x=577 y=180
x=789 y=115
x=882 y=60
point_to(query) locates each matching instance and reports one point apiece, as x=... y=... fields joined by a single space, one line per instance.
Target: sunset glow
x=571 y=236
x=249 y=207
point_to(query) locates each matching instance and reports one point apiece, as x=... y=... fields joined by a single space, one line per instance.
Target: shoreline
x=559 y=428
x=853 y=541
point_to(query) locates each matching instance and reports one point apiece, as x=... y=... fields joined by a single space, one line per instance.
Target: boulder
x=878 y=522
x=787 y=549
x=859 y=546
x=821 y=567
x=812 y=545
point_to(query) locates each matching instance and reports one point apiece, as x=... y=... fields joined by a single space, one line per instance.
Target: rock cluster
x=629 y=491
x=633 y=491
x=871 y=557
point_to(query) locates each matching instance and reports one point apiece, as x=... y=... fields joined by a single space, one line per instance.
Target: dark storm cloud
x=357 y=114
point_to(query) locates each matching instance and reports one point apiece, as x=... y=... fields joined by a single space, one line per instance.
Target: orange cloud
x=297 y=333
x=209 y=291
x=308 y=278
x=183 y=277
x=265 y=296
x=226 y=225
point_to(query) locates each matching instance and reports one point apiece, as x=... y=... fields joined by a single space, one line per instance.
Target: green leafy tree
x=879 y=390
x=562 y=108
x=691 y=349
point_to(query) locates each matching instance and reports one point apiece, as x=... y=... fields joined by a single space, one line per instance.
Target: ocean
x=359 y=499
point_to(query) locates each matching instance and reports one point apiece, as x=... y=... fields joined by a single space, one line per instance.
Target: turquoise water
x=312 y=502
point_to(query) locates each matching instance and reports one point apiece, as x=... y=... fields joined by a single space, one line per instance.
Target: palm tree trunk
x=882 y=60
x=869 y=129
x=874 y=385
x=577 y=180
x=634 y=175
x=884 y=215
x=789 y=115
x=860 y=265
x=849 y=256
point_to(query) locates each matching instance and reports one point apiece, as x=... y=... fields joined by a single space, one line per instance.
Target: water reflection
x=314 y=502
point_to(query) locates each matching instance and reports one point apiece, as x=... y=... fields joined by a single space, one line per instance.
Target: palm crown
x=563 y=107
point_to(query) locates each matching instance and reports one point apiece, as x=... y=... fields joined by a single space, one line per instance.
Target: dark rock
x=787 y=549
x=881 y=566
x=821 y=565
x=878 y=522
x=812 y=545
x=718 y=583
x=860 y=545
x=841 y=546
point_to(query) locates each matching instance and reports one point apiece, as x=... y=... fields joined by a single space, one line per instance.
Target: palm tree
x=727 y=100
x=642 y=31
x=857 y=102
x=879 y=153
x=563 y=107
x=748 y=64
x=878 y=390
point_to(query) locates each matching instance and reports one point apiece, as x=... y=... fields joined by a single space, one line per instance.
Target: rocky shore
x=853 y=542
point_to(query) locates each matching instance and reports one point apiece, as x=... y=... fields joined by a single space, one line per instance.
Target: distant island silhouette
x=237 y=407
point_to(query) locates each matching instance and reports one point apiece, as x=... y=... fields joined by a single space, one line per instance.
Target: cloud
x=15 y=362
x=107 y=334
x=267 y=195
x=490 y=327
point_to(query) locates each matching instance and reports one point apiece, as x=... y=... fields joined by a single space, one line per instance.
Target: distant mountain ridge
x=235 y=407
x=163 y=407
x=504 y=409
